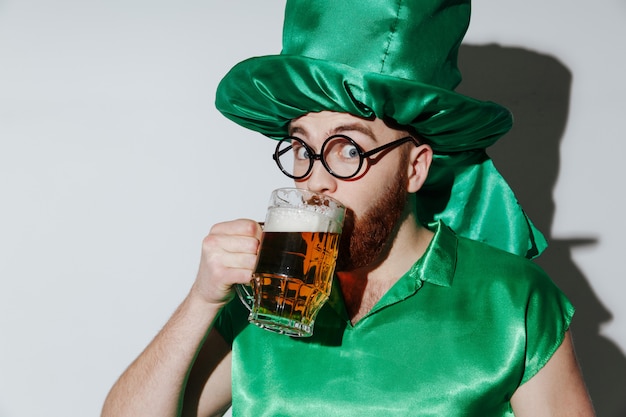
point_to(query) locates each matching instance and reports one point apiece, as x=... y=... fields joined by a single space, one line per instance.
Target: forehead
x=327 y=123
x=327 y=117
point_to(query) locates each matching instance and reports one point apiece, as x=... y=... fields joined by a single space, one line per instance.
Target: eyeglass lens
x=340 y=157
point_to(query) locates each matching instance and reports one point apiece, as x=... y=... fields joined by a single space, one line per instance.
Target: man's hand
x=154 y=383
x=228 y=257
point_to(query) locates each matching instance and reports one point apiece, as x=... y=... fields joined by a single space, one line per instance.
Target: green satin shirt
x=455 y=336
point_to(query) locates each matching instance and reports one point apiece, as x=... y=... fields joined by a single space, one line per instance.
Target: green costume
x=455 y=336
x=396 y=60
x=472 y=320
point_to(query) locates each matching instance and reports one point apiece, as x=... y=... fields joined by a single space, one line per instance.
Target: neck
x=364 y=287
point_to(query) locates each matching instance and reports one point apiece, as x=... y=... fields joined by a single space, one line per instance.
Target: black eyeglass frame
x=313 y=156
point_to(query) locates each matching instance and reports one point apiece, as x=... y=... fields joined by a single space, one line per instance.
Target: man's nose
x=320 y=180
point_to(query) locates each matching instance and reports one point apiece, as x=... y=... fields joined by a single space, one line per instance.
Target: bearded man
x=435 y=310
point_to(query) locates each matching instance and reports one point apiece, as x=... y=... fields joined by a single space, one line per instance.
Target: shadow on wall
x=536 y=88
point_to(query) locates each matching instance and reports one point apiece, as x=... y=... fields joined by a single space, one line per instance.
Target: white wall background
x=114 y=164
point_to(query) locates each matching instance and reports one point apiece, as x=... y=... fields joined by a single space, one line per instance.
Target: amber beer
x=294 y=276
x=295 y=266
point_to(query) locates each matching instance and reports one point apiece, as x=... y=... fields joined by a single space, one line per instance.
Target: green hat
x=392 y=59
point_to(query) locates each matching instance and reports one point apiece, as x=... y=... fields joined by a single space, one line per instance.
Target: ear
x=420 y=158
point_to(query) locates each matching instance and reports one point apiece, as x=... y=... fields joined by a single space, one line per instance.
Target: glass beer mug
x=296 y=261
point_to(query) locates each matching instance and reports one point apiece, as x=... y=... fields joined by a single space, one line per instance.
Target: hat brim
x=265 y=93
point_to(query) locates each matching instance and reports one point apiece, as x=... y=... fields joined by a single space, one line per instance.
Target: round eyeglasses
x=340 y=155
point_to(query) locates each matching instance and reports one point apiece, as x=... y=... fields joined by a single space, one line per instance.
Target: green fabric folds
x=265 y=93
x=466 y=191
x=395 y=60
x=454 y=337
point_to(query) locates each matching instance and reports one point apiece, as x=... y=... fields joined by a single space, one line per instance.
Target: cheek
x=361 y=194
x=358 y=199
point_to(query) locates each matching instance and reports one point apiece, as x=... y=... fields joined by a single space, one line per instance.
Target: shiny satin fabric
x=460 y=180
x=455 y=336
x=265 y=93
x=405 y=39
x=466 y=191
x=392 y=60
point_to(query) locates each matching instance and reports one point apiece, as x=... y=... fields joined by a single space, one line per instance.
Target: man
x=422 y=320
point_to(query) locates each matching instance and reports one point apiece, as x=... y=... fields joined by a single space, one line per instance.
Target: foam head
x=287 y=219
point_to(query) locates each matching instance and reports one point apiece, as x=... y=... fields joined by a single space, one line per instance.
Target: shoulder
x=495 y=273
x=485 y=262
x=510 y=281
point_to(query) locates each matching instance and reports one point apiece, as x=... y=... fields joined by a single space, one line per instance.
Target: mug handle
x=246 y=297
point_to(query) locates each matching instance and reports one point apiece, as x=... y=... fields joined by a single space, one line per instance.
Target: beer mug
x=296 y=261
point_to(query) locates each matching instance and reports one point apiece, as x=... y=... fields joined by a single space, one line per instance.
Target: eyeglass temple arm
x=390 y=145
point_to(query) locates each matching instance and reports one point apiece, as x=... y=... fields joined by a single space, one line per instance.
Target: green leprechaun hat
x=392 y=59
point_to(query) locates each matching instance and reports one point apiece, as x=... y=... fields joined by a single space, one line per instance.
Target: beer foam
x=283 y=219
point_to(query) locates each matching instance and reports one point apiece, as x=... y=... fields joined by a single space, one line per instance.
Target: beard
x=366 y=239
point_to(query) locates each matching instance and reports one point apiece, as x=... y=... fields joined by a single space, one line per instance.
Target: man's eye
x=301 y=152
x=349 y=152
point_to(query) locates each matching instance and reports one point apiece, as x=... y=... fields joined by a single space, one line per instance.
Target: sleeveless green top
x=455 y=336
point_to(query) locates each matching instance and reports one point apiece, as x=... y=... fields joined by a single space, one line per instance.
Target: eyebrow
x=353 y=127
x=350 y=127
